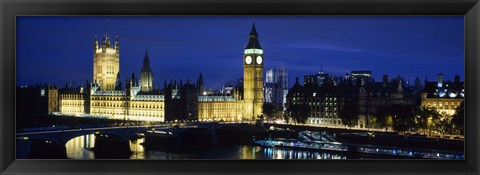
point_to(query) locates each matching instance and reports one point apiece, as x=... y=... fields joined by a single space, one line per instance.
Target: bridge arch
x=62 y=137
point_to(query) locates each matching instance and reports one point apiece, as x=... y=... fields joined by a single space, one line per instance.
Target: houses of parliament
x=138 y=100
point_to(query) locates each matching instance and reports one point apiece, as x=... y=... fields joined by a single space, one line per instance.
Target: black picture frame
x=9 y=9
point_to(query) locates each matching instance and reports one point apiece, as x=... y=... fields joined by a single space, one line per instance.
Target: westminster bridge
x=50 y=142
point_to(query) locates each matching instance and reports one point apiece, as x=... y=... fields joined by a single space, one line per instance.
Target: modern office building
x=363 y=76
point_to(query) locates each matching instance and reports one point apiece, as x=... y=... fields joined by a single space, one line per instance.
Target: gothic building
x=139 y=100
x=73 y=101
x=276 y=87
x=146 y=75
x=253 y=76
x=237 y=107
x=104 y=96
x=182 y=100
x=106 y=63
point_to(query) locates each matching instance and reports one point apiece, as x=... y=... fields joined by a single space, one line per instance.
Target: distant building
x=374 y=96
x=41 y=100
x=363 y=76
x=270 y=76
x=443 y=96
x=276 y=89
x=325 y=102
x=309 y=79
x=320 y=78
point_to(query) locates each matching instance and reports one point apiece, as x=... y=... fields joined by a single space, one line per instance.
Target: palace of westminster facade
x=139 y=101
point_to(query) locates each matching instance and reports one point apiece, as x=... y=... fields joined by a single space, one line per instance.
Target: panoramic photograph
x=240 y=87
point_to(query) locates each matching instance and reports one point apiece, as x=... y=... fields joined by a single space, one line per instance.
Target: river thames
x=82 y=147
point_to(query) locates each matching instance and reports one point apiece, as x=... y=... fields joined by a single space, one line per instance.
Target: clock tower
x=253 y=77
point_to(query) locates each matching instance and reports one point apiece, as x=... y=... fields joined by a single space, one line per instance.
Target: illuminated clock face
x=259 y=60
x=248 y=60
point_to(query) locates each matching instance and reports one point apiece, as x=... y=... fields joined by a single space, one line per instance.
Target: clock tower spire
x=253 y=76
x=253 y=39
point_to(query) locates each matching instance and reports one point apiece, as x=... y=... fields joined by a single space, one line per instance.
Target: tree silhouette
x=458 y=120
x=443 y=126
x=349 y=113
x=268 y=110
x=271 y=111
x=298 y=112
x=372 y=121
x=422 y=117
x=384 y=118
x=402 y=117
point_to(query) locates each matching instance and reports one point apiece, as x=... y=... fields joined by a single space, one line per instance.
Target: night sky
x=60 y=49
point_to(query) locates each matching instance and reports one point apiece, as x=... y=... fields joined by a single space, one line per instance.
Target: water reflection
x=275 y=153
x=82 y=148
x=138 y=152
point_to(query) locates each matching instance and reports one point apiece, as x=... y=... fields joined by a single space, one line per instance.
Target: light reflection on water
x=275 y=153
x=81 y=148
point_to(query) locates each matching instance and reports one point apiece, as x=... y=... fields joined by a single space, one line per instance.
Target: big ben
x=253 y=77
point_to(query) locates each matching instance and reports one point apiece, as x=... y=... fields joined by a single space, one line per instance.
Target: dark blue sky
x=59 y=49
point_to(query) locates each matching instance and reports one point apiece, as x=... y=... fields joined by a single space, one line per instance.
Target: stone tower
x=200 y=86
x=146 y=75
x=53 y=102
x=106 y=63
x=253 y=77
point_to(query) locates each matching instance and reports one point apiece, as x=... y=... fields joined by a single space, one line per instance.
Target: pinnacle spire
x=146 y=61
x=253 y=42
x=200 y=78
x=254 y=30
x=106 y=28
x=117 y=44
